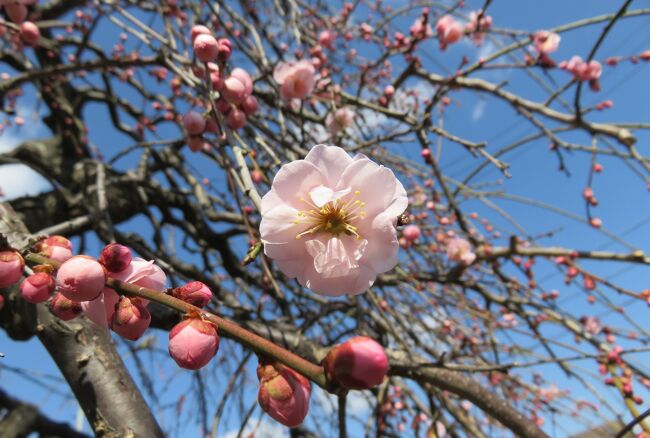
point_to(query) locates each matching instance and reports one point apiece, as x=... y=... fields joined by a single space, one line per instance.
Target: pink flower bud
x=81 y=278
x=411 y=232
x=225 y=49
x=194 y=123
x=249 y=105
x=236 y=119
x=326 y=39
x=194 y=292
x=56 y=248
x=197 y=30
x=284 y=393
x=131 y=318
x=37 y=287
x=11 y=268
x=192 y=343
x=233 y=90
x=115 y=257
x=206 y=47
x=359 y=363
x=16 y=11
x=29 y=33
x=64 y=308
x=596 y=222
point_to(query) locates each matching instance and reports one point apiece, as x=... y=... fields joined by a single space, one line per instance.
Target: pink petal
x=379 y=188
x=282 y=71
x=294 y=181
x=331 y=159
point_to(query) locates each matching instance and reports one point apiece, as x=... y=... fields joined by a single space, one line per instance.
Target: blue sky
x=623 y=198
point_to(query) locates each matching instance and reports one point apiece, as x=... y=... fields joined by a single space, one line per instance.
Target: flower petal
x=333 y=160
x=379 y=188
x=292 y=182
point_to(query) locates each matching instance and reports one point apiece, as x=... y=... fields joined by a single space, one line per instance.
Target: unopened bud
x=115 y=257
x=194 y=292
x=192 y=343
x=359 y=363
x=37 y=287
x=11 y=268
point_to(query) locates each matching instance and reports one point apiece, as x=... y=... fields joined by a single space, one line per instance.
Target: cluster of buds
x=478 y=24
x=237 y=101
x=207 y=48
x=584 y=71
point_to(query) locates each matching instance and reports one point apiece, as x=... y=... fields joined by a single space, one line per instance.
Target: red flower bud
x=115 y=257
x=194 y=292
x=359 y=363
x=11 y=267
x=37 y=287
x=131 y=318
x=284 y=393
x=64 y=308
x=193 y=342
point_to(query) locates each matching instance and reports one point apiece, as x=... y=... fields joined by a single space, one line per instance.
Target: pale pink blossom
x=283 y=394
x=581 y=70
x=591 y=325
x=81 y=278
x=339 y=120
x=460 y=250
x=329 y=221
x=140 y=272
x=11 y=268
x=449 y=31
x=37 y=287
x=297 y=80
x=477 y=27
x=359 y=363
x=545 y=42
x=192 y=343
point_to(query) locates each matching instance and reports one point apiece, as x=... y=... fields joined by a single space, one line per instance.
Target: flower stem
x=225 y=327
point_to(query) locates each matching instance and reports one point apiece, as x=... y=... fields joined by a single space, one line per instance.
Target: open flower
x=297 y=80
x=329 y=221
x=460 y=250
x=545 y=42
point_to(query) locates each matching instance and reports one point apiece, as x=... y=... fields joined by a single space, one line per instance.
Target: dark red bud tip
x=115 y=257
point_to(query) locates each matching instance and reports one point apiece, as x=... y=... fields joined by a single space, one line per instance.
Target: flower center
x=335 y=217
